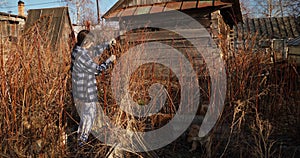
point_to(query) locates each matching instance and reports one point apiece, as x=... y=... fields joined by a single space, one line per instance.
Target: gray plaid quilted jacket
x=84 y=70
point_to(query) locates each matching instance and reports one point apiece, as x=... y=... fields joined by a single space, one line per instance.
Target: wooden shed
x=294 y=50
x=11 y=25
x=205 y=12
x=54 y=23
x=216 y=17
x=278 y=34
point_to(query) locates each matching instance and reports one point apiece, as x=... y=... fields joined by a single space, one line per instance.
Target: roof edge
x=223 y=5
x=12 y=15
x=114 y=7
x=50 y=8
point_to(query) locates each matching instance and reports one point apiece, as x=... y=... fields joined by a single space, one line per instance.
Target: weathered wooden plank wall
x=54 y=23
x=8 y=29
x=212 y=27
x=266 y=33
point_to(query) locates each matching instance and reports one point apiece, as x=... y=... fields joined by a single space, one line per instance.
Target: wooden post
x=98 y=11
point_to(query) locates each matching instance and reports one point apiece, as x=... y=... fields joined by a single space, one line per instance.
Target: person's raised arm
x=98 y=50
x=105 y=65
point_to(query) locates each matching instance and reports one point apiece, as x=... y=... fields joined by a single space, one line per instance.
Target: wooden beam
x=202 y=34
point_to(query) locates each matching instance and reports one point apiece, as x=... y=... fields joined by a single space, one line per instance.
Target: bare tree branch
x=83 y=9
x=271 y=8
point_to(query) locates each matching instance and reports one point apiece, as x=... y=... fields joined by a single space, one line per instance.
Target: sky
x=8 y=6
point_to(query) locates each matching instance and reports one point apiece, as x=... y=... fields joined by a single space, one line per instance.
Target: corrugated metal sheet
x=163 y=7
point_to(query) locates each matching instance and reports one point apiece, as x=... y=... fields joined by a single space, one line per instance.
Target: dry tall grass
x=37 y=108
x=34 y=93
x=262 y=91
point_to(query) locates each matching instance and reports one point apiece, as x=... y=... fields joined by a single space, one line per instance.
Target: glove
x=101 y=68
x=112 y=42
x=106 y=64
x=112 y=58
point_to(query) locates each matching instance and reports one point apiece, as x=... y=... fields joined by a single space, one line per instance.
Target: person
x=84 y=88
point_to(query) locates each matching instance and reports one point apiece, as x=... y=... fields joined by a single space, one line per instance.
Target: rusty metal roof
x=162 y=7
